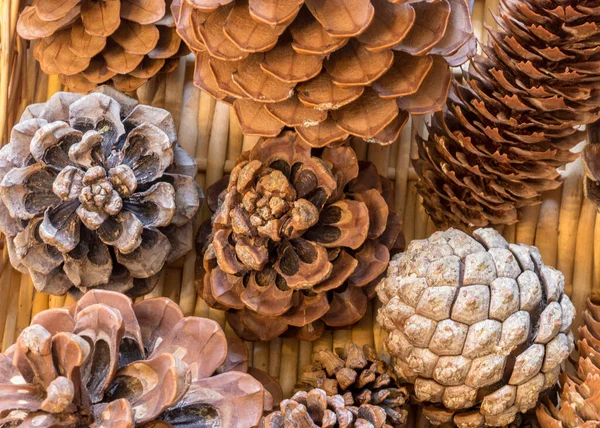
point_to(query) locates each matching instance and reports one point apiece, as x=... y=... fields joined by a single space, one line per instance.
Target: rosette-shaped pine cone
x=107 y=363
x=299 y=238
x=329 y=69
x=497 y=145
x=316 y=409
x=96 y=192
x=479 y=326
x=360 y=377
x=91 y=42
x=578 y=405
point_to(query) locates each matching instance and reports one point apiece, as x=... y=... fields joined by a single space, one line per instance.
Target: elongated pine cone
x=91 y=42
x=106 y=363
x=496 y=146
x=96 y=192
x=478 y=325
x=590 y=157
x=316 y=409
x=300 y=238
x=360 y=377
x=328 y=69
x=578 y=405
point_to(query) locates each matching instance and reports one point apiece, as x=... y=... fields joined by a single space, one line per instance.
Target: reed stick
x=261 y=356
x=584 y=260
x=289 y=365
x=362 y=333
x=275 y=357
x=25 y=304
x=40 y=303
x=596 y=280
x=546 y=235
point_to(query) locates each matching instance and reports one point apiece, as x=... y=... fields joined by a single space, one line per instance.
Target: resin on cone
x=498 y=143
x=299 y=239
x=328 y=69
x=106 y=363
x=96 y=193
x=479 y=326
x=91 y=42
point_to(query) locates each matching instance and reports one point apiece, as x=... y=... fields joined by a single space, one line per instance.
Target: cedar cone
x=345 y=67
x=131 y=365
x=96 y=192
x=590 y=157
x=91 y=42
x=316 y=409
x=300 y=237
x=479 y=326
x=360 y=377
x=497 y=145
x=578 y=406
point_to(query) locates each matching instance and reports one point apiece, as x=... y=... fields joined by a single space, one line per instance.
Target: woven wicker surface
x=564 y=227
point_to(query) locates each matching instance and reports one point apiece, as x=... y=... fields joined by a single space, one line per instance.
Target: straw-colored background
x=564 y=227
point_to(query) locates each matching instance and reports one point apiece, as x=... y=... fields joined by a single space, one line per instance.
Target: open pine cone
x=329 y=69
x=299 y=238
x=479 y=326
x=90 y=42
x=360 y=377
x=96 y=192
x=496 y=146
x=578 y=406
x=107 y=363
x=590 y=157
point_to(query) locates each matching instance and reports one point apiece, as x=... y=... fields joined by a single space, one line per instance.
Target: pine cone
x=96 y=192
x=590 y=157
x=578 y=406
x=90 y=42
x=345 y=67
x=496 y=146
x=316 y=409
x=360 y=377
x=299 y=238
x=479 y=326
x=108 y=363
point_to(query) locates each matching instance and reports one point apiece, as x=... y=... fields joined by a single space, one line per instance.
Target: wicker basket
x=564 y=227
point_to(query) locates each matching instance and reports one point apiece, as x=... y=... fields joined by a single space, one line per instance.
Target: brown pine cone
x=360 y=377
x=107 y=363
x=497 y=145
x=96 y=192
x=316 y=409
x=329 y=69
x=590 y=157
x=578 y=405
x=299 y=238
x=91 y=42
x=479 y=326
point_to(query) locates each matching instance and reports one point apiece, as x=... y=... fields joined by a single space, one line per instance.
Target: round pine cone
x=105 y=363
x=497 y=145
x=329 y=69
x=91 y=42
x=360 y=377
x=479 y=326
x=316 y=409
x=96 y=192
x=578 y=405
x=300 y=237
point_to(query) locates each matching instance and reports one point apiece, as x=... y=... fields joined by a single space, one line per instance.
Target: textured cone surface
x=479 y=326
x=578 y=405
x=299 y=239
x=92 y=42
x=496 y=146
x=360 y=377
x=590 y=157
x=105 y=362
x=329 y=69
x=96 y=192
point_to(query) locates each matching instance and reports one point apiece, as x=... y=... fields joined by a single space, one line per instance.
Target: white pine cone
x=478 y=325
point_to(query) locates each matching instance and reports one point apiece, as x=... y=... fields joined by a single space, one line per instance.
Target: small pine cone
x=300 y=238
x=497 y=145
x=96 y=192
x=92 y=42
x=578 y=405
x=316 y=409
x=479 y=326
x=360 y=377
x=345 y=67
x=106 y=363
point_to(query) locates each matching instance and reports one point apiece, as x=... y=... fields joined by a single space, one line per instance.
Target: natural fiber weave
x=209 y=131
